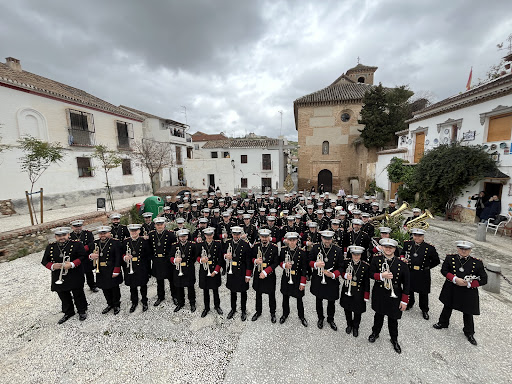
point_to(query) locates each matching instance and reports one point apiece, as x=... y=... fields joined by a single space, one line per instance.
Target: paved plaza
x=160 y=346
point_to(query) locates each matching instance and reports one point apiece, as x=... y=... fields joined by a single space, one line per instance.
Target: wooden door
x=419 y=147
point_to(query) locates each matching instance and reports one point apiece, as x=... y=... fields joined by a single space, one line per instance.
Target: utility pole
x=281 y=129
x=185 y=113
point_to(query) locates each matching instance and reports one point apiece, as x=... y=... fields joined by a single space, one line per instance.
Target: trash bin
x=153 y=204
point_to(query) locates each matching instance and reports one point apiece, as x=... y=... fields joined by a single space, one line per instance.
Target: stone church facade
x=330 y=149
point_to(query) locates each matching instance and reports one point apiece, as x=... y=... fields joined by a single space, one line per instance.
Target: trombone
x=130 y=262
x=388 y=283
x=63 y=272
x=178 y=266
x=350 y=271
x=229 y=263
x=288 y=259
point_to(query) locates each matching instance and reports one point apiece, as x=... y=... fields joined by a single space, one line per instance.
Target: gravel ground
x=160 y=346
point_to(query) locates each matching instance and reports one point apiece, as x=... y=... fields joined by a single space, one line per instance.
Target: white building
x=482 y=115
x=239 y=164
x=173 y=133
x=51 y=111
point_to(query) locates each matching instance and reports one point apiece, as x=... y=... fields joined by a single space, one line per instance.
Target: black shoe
x=373 y=337
x=106 y=310
x=355 y=332
x=471 y=339
x=396 y=346
x=65 y=318
x=303 y=321
x=158 y=302
x=231 y=314
x=333 y=325
x=192 y=307
x=82 y=316
x=320 y=323
x=132 y=308
x=273 y=318
x=439 y=326
x=219 y=310
x=175 y=301
x=255 y=316
x=425 y=315
x=244 y=316
x=282 y=319
x=178 y=307
x=205 y=312
x=95 y=289
x=144 y=307
x=348 y=329
x=117 y=310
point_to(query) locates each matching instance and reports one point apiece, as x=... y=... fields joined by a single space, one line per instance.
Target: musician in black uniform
x=358 y=237
x=464 y=274
x=355 y=290
x=326 y=259
x=250 y=232
x=300 y=226
x=366 y=206
x=416 y=212
x=388 y=299
x=385 y=233
x=118 y=230
x=209 y=255
x=274 y=229
x=68 y=255
x=136 y=250
x=87 y=239
x=265 y=259
x=344 y=220
x=367 y=226
x=289 y=226
x=237 y=252
x=375 y=210
x=421 y=257
x=148 y=225
x=183 y=256
x=391 y=207
x=198 y=235
x=109 y=276
x=160 y=242
x=224 y=227
x=341 y=237
x=323 y=222
x=294 y=261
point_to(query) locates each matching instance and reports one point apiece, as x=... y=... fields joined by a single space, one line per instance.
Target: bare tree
x=154 y=156
x=109 y=160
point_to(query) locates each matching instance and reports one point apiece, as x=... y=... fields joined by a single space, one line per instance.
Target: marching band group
x=322 y=240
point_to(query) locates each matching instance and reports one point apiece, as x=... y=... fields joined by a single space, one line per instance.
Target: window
x=214 y=155
x=189 y=153
x=84 y=166
x=81 y=128
x=243 y=159
x=266 y=184
x=124 y=134
x=499 y=127
x=243 y=182
x=325 y=148
x=225 y=155
x=345 y=117
x=266 y=163
x=360 y=80
x=179 y=161
x=196 y=147
x=126 y=165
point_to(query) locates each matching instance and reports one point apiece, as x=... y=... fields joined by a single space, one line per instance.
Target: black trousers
x=271 y=302
x=469 y=324
x=378 y=322
x=423 y=301
x=89 y=275
x=67 y=297
x=180 y=295
x=243 y=304
x=206 y=297
x=353 y=319
x=160 y=288
x=331 y=309
x=113 y=296
x=134 y=294
x=286 y=306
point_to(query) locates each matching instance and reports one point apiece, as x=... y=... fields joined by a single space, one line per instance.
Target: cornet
x=206 y=267
x=470 y=278
x=350 y=271
x=320 y=257
x=63 y=272
x=178 y=266
x=388 y=283
x=229 y=263
x=97 y=261
x=259 y=266
x=130 y=262
x=288 y=259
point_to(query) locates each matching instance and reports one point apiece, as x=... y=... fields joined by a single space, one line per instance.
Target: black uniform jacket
x=188 y=254
x=359 y=289
x=110 y=262
x=160 y=246
x=298 y=272
x=333 y=257
x=422 y=258
x=74 y=278
x=141 y=261
x=270 y=257
x=241 y=266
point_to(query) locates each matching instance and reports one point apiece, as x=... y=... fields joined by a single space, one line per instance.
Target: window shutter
x=500 y=128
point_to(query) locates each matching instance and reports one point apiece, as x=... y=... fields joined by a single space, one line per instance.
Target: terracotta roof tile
x=201 y=136
x=241 y=143
x=361 y=68
x=336 y=93
x=150 y=116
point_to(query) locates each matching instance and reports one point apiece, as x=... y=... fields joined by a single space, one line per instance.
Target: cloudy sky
x=235 y=63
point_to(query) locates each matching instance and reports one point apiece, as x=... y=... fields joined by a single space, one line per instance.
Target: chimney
x=13 y=63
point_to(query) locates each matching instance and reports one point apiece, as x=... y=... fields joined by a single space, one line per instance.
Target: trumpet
x=144 y=232
x=130 y=262
x=299 y=210
x=470 y=278
x=259 y=257
x=288 y=259
x=320 y=271
x=206 y=267
x=224 y=234
x=96 y=262
x=388 y=283
x=178 y=266
x=350 y=271
x=229 y=263
x=63 y=272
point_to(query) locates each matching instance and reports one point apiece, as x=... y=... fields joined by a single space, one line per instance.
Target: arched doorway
x=325 y=178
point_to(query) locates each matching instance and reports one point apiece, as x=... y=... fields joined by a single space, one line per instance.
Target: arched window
x=360 y=80
x=325 y=148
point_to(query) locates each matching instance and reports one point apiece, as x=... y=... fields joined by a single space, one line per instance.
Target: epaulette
x=365 y=262
x=218 y=241
x=476 y=258
x=75 y=240
x=174 y=243
x=193 y=242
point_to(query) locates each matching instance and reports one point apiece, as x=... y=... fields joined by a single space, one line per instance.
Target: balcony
x=80 y=137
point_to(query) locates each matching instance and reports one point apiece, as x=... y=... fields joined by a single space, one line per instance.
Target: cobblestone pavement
x=160 y=346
